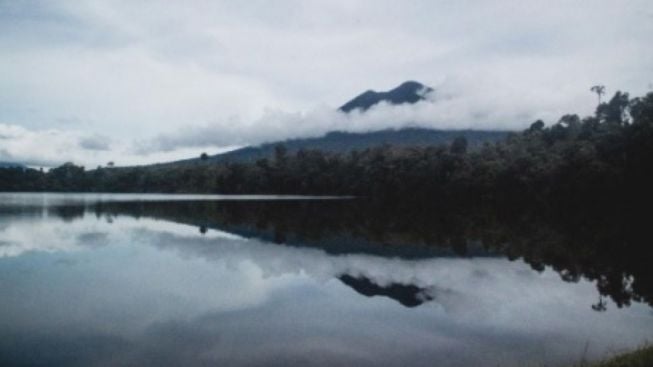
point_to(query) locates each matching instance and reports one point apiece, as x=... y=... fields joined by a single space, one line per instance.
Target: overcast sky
x=140 y=81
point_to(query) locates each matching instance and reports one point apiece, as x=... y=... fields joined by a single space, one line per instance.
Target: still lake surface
x=170 y=280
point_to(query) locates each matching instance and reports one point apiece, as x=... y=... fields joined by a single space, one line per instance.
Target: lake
x=184 y=280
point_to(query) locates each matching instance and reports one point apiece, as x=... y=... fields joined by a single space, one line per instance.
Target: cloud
x=159 y=78
x=95 y=142
x=36 y=148
x=52 y=147
x=457 y=103
x=5 y=155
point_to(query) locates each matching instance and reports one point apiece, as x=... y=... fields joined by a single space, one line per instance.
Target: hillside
x=342 y=142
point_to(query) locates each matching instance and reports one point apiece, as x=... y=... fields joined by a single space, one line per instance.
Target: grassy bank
x=642 y=357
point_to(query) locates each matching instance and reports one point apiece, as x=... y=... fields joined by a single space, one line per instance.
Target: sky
x=137 y=82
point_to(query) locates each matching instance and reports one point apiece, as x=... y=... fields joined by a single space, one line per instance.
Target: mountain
x=344 y=142
x=408 y=295
x=407 y=92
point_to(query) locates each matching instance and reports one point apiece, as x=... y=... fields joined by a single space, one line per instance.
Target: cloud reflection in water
x=150 y=292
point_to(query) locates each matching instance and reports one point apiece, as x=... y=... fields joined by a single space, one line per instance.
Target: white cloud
x=38 y=148
x=457 y=103
x=52 y=147
x=135 y=71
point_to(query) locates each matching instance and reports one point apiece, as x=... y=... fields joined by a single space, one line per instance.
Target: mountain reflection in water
x=151 y=282
x=408 y=295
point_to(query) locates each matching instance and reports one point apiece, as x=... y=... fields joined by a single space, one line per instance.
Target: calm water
x=103 y=280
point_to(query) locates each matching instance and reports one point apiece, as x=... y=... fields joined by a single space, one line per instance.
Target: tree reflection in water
x=608 y=247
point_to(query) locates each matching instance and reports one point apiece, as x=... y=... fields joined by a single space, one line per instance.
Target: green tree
x=280 y=155
x=599 y=90
x=615 y=111
x=536 y=126
x=459 y=145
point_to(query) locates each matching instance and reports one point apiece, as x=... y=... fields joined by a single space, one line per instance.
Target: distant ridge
x=344 y=142
x=407 y=92
x=11 y=165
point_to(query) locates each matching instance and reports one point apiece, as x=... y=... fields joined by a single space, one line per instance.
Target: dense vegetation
x=607 y=155
x=642 y=357
x=341 y=142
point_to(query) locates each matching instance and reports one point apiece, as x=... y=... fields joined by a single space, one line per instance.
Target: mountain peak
x=411 y=84
x=407 y=92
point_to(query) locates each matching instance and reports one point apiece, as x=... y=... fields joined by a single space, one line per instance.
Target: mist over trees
x=598 y=156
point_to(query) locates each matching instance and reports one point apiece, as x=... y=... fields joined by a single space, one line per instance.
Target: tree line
x=606 y=154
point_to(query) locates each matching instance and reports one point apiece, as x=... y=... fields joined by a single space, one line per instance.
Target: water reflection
x=163 y=283
x=606 y=247
x=408 y=295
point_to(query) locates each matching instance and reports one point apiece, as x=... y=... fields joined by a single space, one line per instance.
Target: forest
x=605 y=156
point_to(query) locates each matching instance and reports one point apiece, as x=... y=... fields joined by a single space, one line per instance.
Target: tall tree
x=599 y=90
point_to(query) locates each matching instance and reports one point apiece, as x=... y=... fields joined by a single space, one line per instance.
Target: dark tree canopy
x=459 y=145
